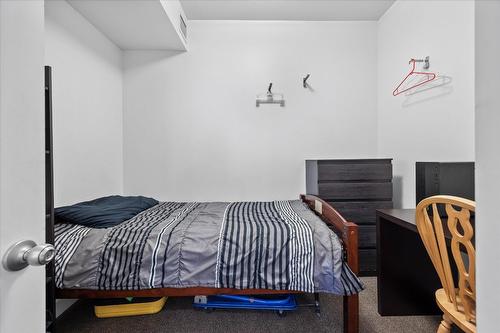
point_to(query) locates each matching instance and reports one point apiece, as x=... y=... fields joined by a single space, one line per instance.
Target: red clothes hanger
x=430 y=76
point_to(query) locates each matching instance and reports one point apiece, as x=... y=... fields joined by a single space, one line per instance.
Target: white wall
x=191 y=127
x=22 y=204
x=436 y=124
x=87 y=106
x=487 y=162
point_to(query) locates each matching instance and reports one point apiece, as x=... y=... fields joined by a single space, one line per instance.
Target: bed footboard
x=348 y=232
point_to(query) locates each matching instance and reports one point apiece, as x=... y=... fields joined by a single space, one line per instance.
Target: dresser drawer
x=358 y=190
x=367 y=237
x=360 y=212
x=354 y=172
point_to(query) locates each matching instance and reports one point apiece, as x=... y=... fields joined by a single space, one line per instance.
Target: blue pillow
x=103 y=212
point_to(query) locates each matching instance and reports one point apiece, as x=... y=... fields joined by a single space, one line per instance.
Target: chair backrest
x=433 y=234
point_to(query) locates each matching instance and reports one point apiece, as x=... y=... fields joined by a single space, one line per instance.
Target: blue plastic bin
x=280 y=304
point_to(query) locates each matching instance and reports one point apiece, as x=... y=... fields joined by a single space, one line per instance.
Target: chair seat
x=458 y=317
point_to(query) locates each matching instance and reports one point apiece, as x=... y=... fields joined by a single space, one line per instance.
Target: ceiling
x=300 y=10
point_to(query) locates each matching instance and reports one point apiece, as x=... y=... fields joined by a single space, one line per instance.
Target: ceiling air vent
x=183 y=27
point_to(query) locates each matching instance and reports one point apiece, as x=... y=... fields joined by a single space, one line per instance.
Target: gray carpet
x=179 y=316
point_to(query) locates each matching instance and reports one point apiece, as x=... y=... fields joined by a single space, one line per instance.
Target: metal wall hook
x=425 y=61
x=304 y=80
x=269 y=89
x=270 y=97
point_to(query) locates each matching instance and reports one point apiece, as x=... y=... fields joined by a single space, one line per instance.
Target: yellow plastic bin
x=128 y=307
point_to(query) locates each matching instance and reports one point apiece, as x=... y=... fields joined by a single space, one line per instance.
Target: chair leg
x=445 y=325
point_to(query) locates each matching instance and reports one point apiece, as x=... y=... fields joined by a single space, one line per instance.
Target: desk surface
x=406 y=218
x=402 y=217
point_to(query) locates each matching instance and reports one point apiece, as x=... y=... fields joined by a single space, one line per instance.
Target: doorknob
x=26 y=252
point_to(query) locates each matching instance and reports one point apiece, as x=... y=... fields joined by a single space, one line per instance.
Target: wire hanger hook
x=429 y=76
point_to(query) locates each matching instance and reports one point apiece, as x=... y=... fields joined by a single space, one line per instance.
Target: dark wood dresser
x=356 y=188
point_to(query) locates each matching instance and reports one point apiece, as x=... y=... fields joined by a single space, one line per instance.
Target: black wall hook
x=269 y=89
x=304 y=80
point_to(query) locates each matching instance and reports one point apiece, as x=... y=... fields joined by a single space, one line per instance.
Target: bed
x=189 y=249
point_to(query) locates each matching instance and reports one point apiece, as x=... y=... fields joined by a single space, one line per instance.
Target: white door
x=22 y=293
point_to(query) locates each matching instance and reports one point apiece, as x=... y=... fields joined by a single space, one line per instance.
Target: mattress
x=278 y=245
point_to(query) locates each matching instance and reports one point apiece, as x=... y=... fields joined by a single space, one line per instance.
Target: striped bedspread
x=278 y=245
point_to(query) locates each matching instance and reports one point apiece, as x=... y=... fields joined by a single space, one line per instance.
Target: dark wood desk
x=406 y=278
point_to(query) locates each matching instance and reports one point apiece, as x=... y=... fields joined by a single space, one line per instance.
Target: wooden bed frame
x=347 y=231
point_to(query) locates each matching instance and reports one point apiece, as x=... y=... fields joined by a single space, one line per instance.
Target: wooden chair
x=457 y=303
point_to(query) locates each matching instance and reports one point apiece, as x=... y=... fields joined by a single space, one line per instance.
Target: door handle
x=26 y=252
